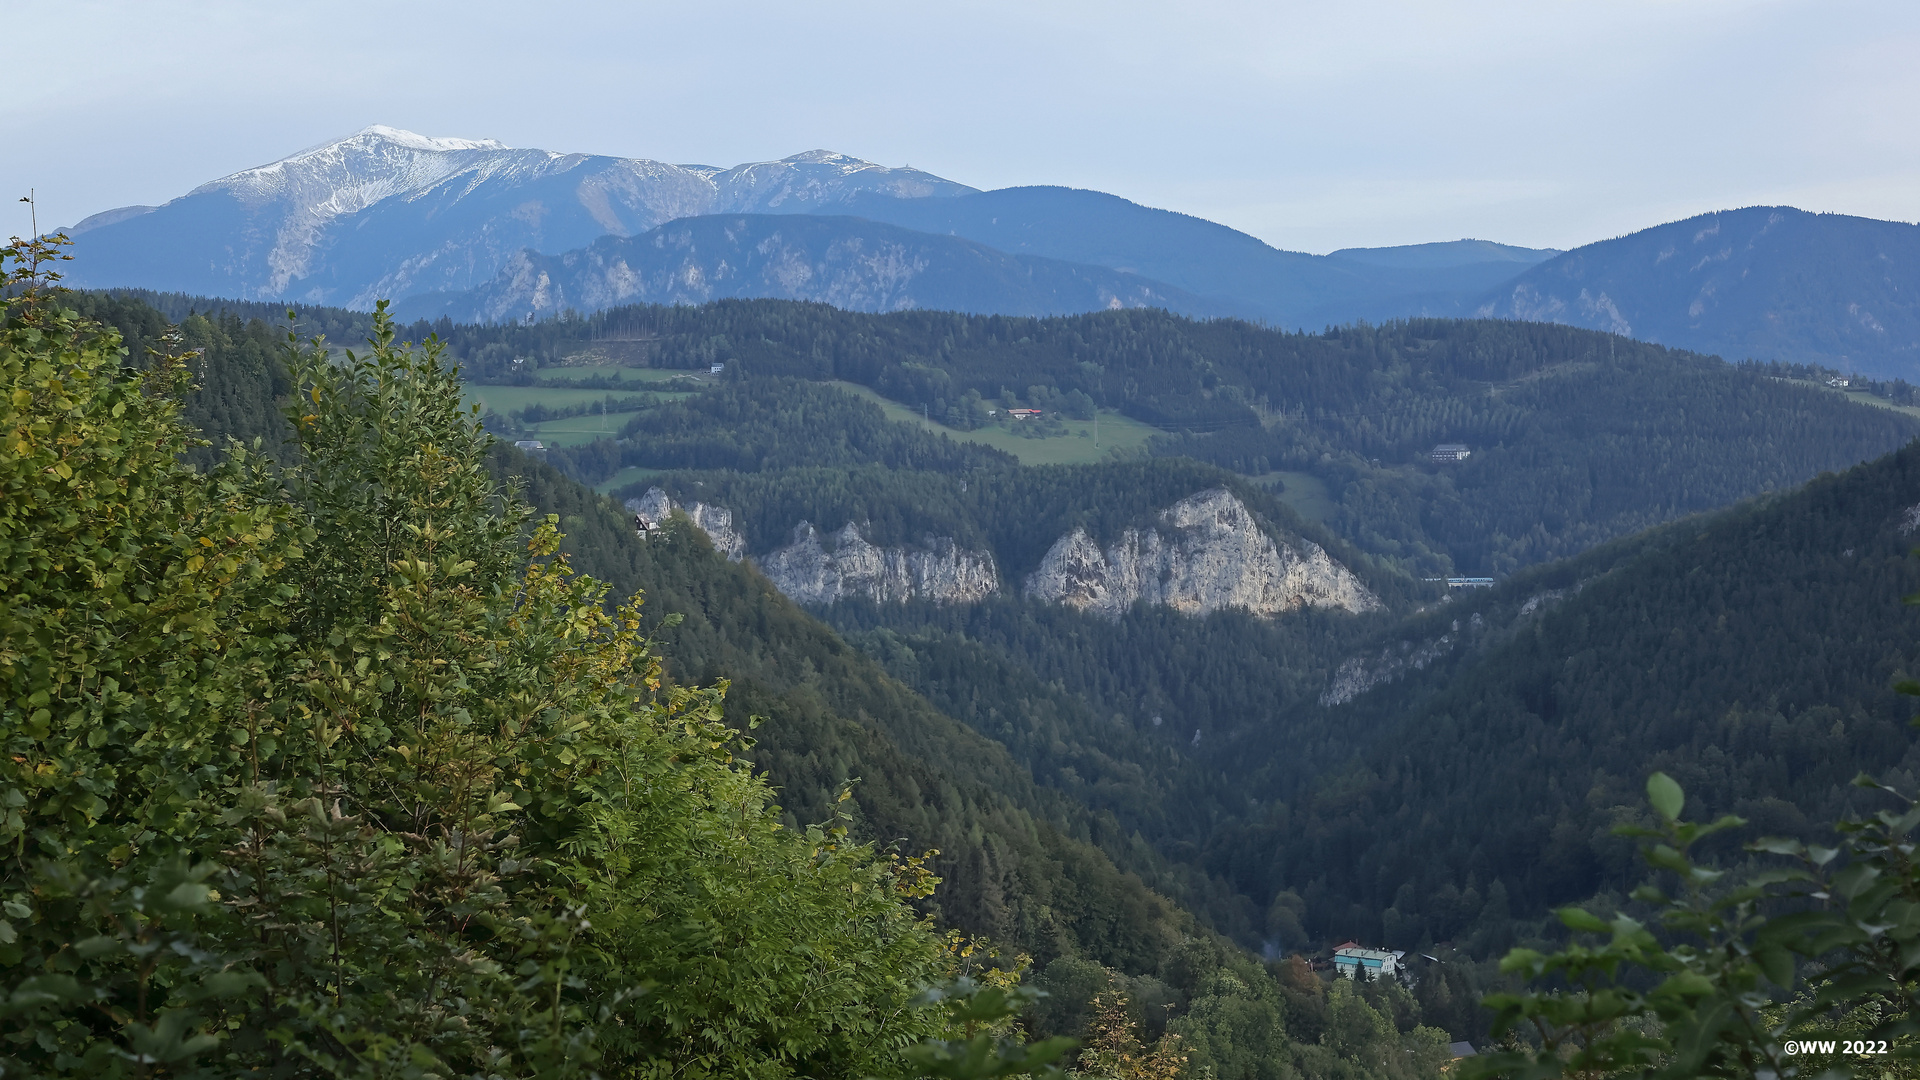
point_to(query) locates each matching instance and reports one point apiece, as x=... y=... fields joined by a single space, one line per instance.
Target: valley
x=960 y=542
x=1141 y=700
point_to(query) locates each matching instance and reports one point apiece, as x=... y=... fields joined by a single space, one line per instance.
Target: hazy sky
x=1311 y=125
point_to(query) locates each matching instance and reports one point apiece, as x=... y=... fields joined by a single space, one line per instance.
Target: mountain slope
x=850 y=263
x=1766 y=282
x=1751 y=654
x=387 y=213
x=1449 y=253
x=1576 y=437
x=1017 y=858
x=1288 y=288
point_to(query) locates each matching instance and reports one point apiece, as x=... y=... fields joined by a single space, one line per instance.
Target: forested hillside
x=750 y=426
x=1016 y=514
x=332 y=768
x=1576 y=436
x=1026 y=863
x=1202 y=736
x=1751 y=654
x=924 y=780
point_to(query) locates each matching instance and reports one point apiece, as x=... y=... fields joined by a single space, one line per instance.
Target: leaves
x=1741 y=972
x=1665 y=796
x=330 y=770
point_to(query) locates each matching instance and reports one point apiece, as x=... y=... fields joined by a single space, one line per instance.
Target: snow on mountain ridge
x=388 y=212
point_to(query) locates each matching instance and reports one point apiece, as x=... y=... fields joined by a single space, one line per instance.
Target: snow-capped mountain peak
x=378 y=157
x=426 y=142
x=828 y=157
x=390 y=212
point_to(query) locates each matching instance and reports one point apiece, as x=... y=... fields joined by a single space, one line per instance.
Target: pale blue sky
x=1311 y=125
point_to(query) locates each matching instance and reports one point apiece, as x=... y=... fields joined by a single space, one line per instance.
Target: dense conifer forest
x=1577 y=436
x=1159 y=810
x=1023 y=866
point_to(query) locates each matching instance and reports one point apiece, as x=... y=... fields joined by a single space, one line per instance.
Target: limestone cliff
x=1208 y=553
x=811 y=572
x=1359 y=674
x=716 y=521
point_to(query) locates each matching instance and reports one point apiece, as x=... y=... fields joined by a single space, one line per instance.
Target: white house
x=1350 y=960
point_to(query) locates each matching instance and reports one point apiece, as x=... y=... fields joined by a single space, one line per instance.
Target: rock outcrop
x=812 y=572
x=1208 y=553
x=655 y=507
x=1358 y=674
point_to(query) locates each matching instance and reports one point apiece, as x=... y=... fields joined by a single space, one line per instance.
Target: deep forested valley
x=1187 y=806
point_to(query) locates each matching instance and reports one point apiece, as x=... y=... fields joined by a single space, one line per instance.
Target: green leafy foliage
x=978 y=1014
x=325 y=771
x=1771 y=974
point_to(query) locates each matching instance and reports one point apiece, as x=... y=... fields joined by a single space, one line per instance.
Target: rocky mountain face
x=1208 y=553
x=388 y=213
x=850 y=263
x=1203 y=553
x=654 y=507
x=811 y=572
x=1765 y=282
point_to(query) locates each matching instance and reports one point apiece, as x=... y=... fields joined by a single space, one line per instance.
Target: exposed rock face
x=1359 y=674
x=806 y=571
x=1211 y=554
x=716 y=521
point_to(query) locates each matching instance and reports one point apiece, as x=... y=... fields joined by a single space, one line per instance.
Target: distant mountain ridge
x=851 y=263
x=1766 y=282
x=1446 y=253
x=388 y=213
x=1287 y=288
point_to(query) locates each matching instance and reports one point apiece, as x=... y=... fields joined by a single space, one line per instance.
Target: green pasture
x=506 y=399
x=578 y=430
x=1077 y=447
x=624 y=374
x=1305 y=492
x=632 y=474
x=1864 y=398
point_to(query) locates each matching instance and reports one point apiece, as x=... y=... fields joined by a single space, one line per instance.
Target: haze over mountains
x=476 y=230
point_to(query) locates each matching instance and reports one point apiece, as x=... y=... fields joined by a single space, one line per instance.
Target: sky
x=1313 y=126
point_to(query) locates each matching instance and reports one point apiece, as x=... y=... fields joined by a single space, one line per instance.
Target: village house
x=1024 y=414
x=1351 y=961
